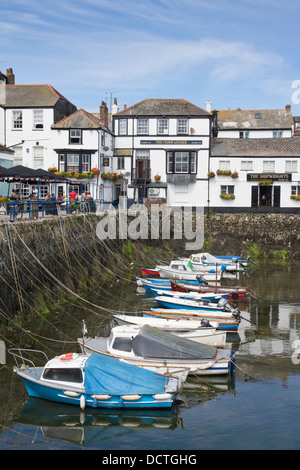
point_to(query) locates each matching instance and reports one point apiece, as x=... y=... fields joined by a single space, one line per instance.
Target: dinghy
x=233 y=293
x=157 y=350
x=202 y=334
x=184 y=270
x=97 y=381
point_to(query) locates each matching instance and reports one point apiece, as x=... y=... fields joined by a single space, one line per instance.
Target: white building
x=81 y=143
x=166 y=138
x=255 y=173
x=26 y=115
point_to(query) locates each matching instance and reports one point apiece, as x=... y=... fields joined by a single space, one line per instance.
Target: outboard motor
x=234 y=260
x=222 y=302
x=236 y=314
x=205 y=323
x=201 y=280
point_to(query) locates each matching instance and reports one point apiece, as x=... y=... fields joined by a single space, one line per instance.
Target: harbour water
x=256 y=409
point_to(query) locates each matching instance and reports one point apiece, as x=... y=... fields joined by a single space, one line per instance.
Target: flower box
x=265 y=183
x=211 y=174
x=227 y=196
x=296 y=198
x=224 y=172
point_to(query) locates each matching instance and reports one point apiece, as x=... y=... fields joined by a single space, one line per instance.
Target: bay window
x=181 y=162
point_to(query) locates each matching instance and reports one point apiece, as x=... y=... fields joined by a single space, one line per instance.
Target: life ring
x=67 y=357
x=235 y=296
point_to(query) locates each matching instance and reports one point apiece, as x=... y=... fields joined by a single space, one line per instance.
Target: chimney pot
x=104 y=114
x=10 y=76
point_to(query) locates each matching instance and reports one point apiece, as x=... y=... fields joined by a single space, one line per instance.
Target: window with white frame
x=182 y=126
x=75 y=136
x=85 y=163
x=224 y=164
x=244 y=134
x=268 y=165
x=122 y=126
x=291 y=166
x=295 y=190
x=181 y=162
x=18 y=155
x=227 y=189
x=121 y=163
x=142 y=126
x=73 y=163
x=61 y=162
x=163 y=126
x=17 y=119
x=142 y=154
x=247 y=165
x=44 y=190
x=277 y=134
x=38 y=156
x=38 y=119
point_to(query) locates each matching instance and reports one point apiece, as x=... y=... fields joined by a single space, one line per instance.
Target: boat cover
x=105 y=375
x=155 y=343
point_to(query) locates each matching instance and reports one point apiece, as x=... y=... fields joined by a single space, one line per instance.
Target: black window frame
x=172 y=153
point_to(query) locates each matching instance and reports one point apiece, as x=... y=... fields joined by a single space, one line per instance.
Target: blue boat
x=206 y=296
x=96 y=381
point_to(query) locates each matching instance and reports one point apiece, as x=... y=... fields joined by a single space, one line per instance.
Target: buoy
x=82 y=402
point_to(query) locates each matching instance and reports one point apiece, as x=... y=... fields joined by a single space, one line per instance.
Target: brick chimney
x=104 y=114
x=10 y=77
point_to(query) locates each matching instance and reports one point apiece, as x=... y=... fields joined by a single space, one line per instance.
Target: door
x=265 y=195
x=254 y=198
x=276 y=196
x=143 y=169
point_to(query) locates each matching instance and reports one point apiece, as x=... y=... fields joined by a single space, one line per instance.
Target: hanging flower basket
x=234 y=174
x=157 y=178
x=227 y=196
x=52 y=170
x=96 y=171
x=265 y=183
x=224 y=172
x=211 y=174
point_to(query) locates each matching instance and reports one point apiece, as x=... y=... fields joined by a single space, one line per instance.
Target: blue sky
x=235 y=53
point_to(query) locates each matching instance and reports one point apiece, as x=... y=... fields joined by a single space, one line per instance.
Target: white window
x=268 y=165
x=85 y=163
x=122 y=126
x=17 y=120
x=73 y=163
x=61 y=163
x=224 y=164
x=38 y=121
x=142 y=154
x=18 y=156
x=121 y=163
x=181 y=162
x=277 y=134
x=182 y=126
x=38 y=156
x=75 y=136
x=142 y=126
x=247 y=165
x=44 y=190
x=291 y=166
x=163 y=126
x=227 y=189
x=295 y=190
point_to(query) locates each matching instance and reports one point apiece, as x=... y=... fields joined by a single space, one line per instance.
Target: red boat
x=149 y=272
x=235 y=293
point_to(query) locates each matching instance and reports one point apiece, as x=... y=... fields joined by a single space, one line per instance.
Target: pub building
x=255 y=173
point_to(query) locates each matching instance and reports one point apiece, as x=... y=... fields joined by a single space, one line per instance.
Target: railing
x=33 y=209
x=23 y=362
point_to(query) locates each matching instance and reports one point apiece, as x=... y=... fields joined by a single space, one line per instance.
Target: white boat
x=205 y=296
x=178 y=325
x=224 y=322
x=160 y=351
x=183 y=270
x=231 y=264
x=205 y=335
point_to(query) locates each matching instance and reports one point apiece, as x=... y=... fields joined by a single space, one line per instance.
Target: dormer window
x=257 y=115
x=75 y=136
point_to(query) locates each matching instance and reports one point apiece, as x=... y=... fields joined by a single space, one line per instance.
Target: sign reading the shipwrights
x=269 y=176
x=171 y=142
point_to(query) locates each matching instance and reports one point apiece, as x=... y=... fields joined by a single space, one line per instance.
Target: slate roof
x=163 y=107
x=30 y=96
x=246 y=119
x=80 y=119
x=226 y=147
x=5 y=149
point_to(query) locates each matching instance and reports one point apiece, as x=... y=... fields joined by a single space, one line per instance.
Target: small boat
x=97 y=381
x=229 y=324
x=233 y=293
x=205 y=296
x=149 y=272
x=184 y=270
x=204 y=335
x=166 y=324
x=157 y=350
x=199 y=260
x=194 y=304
